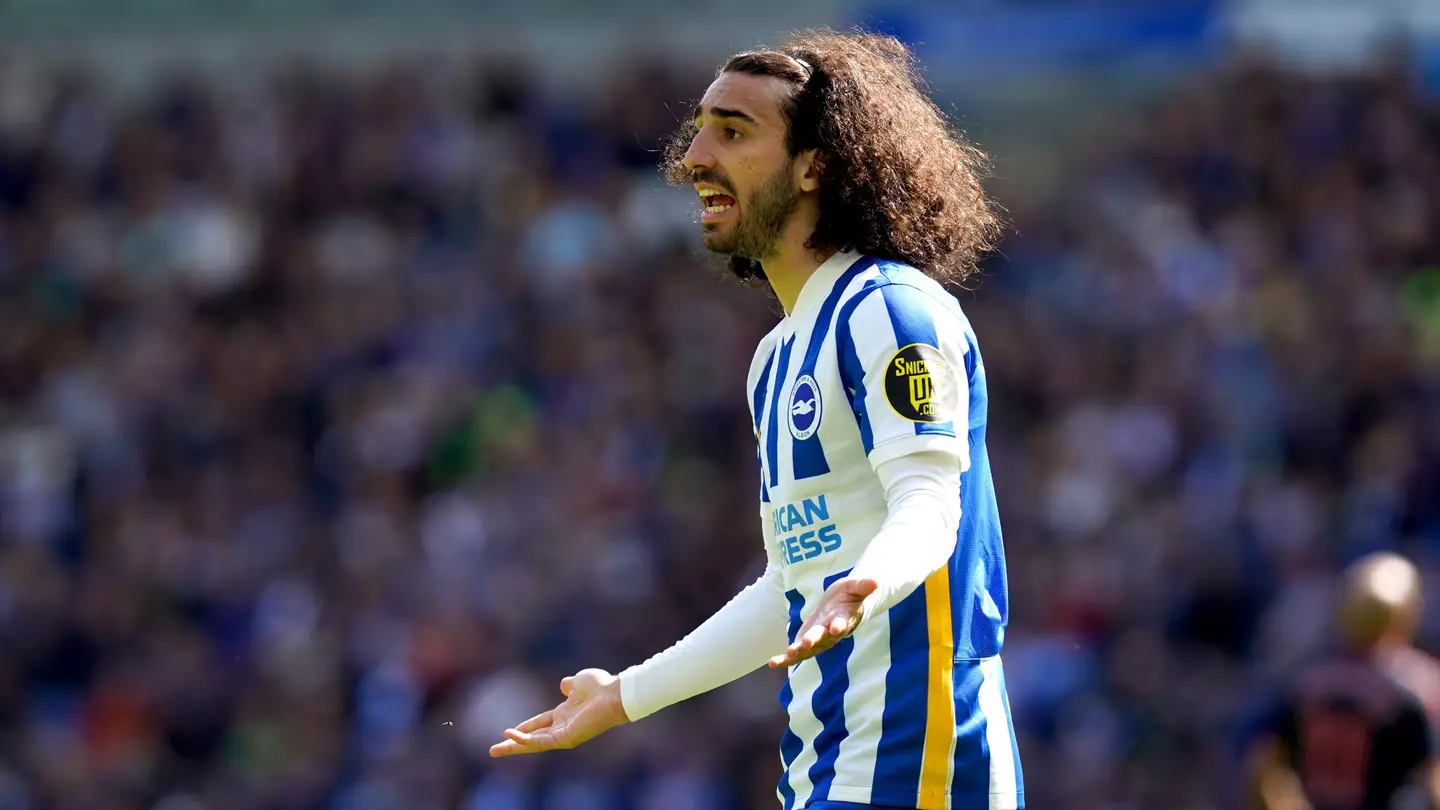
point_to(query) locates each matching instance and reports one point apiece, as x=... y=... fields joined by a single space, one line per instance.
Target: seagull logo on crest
x=804 y=408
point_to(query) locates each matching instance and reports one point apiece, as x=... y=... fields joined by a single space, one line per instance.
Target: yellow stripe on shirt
x=935 y=762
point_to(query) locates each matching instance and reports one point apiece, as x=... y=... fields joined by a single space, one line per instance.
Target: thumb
x=566 y=684
x=862 y=587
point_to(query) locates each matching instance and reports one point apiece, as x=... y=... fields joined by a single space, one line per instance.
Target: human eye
x=732 y=134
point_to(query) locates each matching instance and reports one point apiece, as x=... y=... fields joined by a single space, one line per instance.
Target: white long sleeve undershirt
x=922 y=494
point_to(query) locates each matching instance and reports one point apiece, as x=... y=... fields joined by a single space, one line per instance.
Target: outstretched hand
x=833 y=619
x=592 y=706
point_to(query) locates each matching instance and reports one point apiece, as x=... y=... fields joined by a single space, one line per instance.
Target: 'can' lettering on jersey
x=796 y=546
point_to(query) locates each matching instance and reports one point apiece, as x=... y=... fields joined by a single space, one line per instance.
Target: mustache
x=712 y=178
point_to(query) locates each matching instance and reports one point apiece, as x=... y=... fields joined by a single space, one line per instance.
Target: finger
x=537 y=722
x=516 y=742
x=786 y=658
x=862 y=587
x=542 y=740
x=806 y=654
x=805 y=628
x=812 y=636
x=508 y=748
x=566 y=684
x=520 y=743
x=798 y=652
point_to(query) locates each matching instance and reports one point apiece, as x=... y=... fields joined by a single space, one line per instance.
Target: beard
x=760 y=226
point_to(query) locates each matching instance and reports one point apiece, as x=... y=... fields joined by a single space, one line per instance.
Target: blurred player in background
x=1357 y=730
x=822 y=167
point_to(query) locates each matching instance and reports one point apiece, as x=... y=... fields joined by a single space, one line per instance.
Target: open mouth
x=714 y=204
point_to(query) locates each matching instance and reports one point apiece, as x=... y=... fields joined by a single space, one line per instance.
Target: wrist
x=868 y=606
x=616 y=698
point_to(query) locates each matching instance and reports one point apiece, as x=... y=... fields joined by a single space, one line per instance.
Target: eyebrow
x=724 y=112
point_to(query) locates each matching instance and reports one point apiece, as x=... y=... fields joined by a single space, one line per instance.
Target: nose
x=698 y=155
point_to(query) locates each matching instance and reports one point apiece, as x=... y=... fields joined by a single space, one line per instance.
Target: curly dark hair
x=896 y=181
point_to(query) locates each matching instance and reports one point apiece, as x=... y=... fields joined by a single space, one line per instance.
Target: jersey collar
x=818 y=286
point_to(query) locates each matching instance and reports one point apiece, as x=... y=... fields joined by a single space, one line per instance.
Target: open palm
x=592 y=706
x=833 y=620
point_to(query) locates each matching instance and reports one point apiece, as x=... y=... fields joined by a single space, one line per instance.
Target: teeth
x=705 y=195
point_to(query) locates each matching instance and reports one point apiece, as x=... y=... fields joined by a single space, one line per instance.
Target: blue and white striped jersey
x=878 y=361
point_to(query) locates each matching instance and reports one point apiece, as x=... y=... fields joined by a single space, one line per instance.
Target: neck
x=792 y=264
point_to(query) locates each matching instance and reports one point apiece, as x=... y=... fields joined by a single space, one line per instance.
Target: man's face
x=740 y=165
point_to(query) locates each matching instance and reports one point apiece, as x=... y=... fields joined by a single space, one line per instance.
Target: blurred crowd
x=342 y=415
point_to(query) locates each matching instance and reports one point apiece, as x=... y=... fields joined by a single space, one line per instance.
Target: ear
x=807 y=171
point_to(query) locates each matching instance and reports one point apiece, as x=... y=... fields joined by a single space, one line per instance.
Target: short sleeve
x=902 y=354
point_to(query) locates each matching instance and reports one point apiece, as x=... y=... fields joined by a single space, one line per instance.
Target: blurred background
x=359 y=378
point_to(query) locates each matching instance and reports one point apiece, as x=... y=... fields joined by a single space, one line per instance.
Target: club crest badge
x=804 y=408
